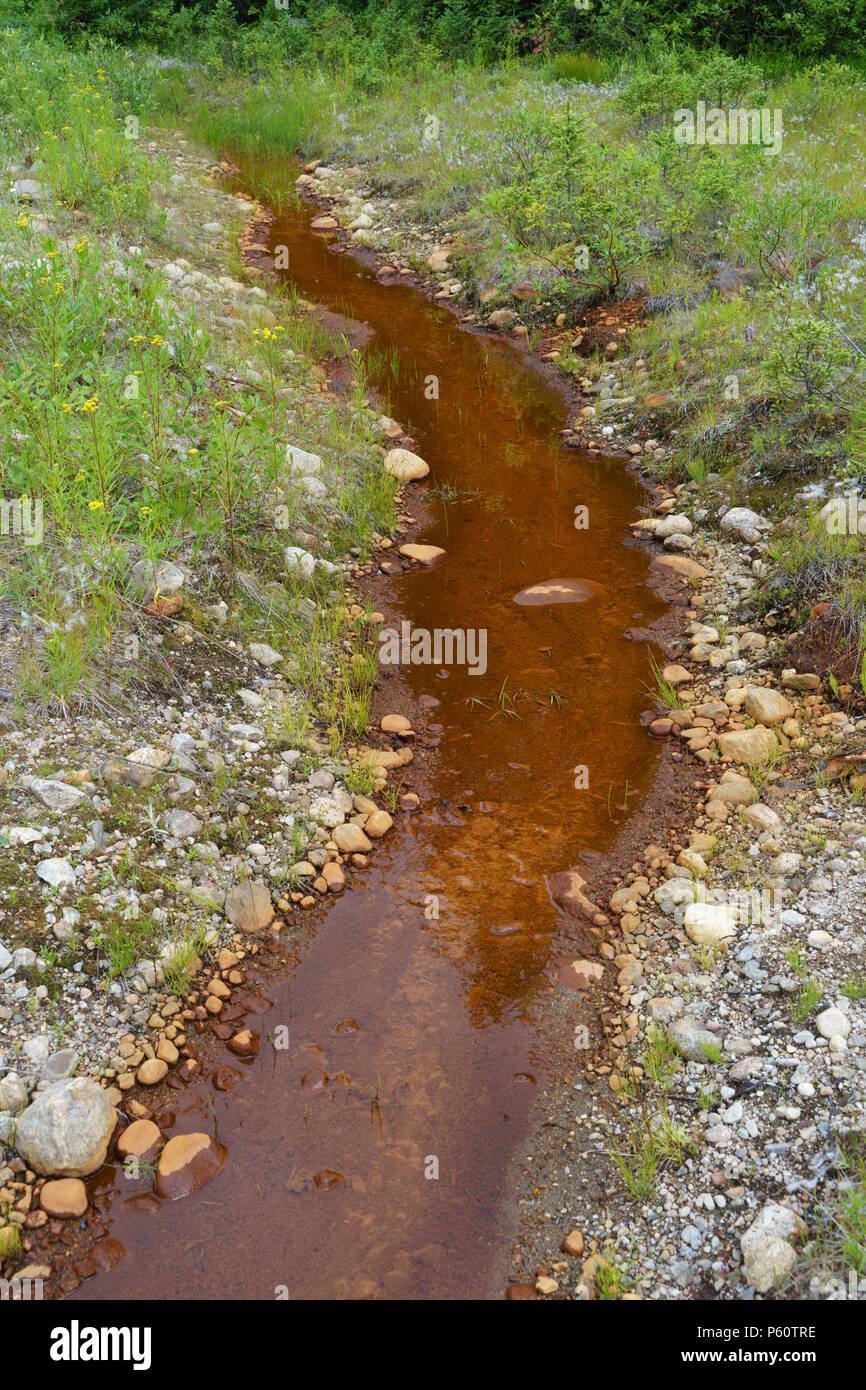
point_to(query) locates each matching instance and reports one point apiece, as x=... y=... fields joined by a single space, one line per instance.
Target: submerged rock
x=557 y=591
x=186 y=1163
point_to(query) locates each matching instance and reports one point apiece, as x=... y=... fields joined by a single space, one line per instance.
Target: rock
x=405 y=466
x=67 y=1129
x=248 y=906
x=674 y=892
x=186 y=1163
x=325 y=223
x=679 y=564
x=37 y=1049
x=24 y=835
x=30 y=190
x=574 y=976
x=151 y=1072
x=117 y=772
x=767 y=1253
x=573 y=1244
x=691 y=1039
x=794 y=680
x=299 y=561
x=708 y=924
x=676 y=675
x=329 y=811
x=676 y=525
x=762 y=817
x=832 y=1023
x=304 y=464
x=350 y=839
x=142 y=1140
x=396 y=724
x=264 y=655
x=64 y=1198
x=183 y=824
x=209 y=895
x=557 y=591
x=13 y=1094
x=766 y=706
x=334 y=877
x=756 y=745
x=378 y=824
x=161 y=578
x=246 y=733
x=57 y=796
x=424 y=554
x=566 y=889
x=244 y=1044
x=733 y=790
x=55 y=872
x=665 y=1008
x=59 y=1065
x=746 y=524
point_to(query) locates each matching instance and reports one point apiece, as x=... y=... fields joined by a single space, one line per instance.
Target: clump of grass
x=663 y=690
x=124 y=942
x=611 y=1280
x=186 y=950
x=811 y=991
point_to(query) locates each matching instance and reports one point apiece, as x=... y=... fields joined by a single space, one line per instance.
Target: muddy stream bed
x=416 y=995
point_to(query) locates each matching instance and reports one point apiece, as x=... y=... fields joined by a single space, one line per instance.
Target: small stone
x=244 y=1044
x=142 y=1140
x=350 y=839
x=405 y=466
x=264 y=655
x=691 y=1040
x=57 y=873
x=766 y=706
x=248 y=906
x=832 y=1023
x=573 y=1244
x=424 y=554
x=378 y=824
x=151 y=1072
x=64 y=1198
x=186 y=1163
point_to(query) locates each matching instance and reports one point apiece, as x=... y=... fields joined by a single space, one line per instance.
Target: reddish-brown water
x=438 y=948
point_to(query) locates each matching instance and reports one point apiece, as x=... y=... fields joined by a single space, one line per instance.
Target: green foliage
x=564 y=198
x=251 y=31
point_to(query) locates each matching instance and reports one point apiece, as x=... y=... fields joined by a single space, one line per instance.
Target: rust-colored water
x=444 y=1063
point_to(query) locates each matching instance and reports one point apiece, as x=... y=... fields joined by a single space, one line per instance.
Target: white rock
x=405 y=466
x=707 y=924
x=299 y=560
x=55 y=872
x=767 y=1252
x=264 y=655
x=832 y=1023
x=306 y=465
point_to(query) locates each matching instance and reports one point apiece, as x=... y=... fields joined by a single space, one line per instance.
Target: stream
x=391 y=1178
